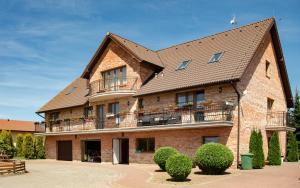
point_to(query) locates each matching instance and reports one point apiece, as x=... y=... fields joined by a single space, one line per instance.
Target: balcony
x=106 y=89
x=279 y=121
x=186 y=117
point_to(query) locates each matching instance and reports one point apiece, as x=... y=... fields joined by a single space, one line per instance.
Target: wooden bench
x=8 y=166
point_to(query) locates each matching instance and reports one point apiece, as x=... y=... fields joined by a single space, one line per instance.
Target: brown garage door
x=64 y=150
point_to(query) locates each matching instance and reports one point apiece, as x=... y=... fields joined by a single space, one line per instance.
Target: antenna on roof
x=233 y=21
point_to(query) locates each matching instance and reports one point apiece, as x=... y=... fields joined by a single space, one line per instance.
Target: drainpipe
x=239 y=125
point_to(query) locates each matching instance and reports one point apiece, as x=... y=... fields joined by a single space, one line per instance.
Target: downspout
x=239 y=124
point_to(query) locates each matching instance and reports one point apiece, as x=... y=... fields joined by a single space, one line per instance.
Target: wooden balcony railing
x=115 y=84
x=279 y=119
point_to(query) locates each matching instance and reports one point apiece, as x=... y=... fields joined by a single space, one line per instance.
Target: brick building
x=131 y=100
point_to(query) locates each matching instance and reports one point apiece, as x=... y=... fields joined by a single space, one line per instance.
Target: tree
x=292 y=148
x=39 y=147
x=19 y=145
x=296 y=120
x=256 y=148
x=28 y=147
x=6 y=143
x=274 y=156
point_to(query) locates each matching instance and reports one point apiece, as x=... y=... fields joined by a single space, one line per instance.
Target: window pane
x=211 y=139
x=200 y=97
x=141 y=145
x=190 y=98
x=124 y=75
x=215 y=57
x=181 y=99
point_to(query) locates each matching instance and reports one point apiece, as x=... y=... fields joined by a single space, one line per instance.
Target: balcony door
x=100 y=117
x=114 y=79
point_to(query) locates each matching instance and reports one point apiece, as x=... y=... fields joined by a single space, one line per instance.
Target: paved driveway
x=57 y=174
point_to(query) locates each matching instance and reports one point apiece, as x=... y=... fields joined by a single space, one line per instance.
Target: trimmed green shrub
x=19 y=145
x=39 y=147
x=162 y=154
x=179 y=167
x=28 y=146
x=213 y=158
x=292 y=148
x=274 y=156
x=256 y=148
x=6 y=143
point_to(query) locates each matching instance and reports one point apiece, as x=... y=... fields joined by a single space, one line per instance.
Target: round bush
x=214 y=158
x=179 y=167
x=162 y=154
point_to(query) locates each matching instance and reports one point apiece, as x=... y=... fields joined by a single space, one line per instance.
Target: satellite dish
x=233 y=21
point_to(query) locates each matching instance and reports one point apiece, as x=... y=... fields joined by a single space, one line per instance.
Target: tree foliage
x=292 y=148
x=6 y=143
x=256 y=148
x=296 y=118
x=19 y=145
x=28 y=147
x=39 y=147
x=274 y=156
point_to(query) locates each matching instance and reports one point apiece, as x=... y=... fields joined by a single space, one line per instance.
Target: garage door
x=64 y=150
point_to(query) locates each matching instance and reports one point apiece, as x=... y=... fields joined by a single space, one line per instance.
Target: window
x=88 y=112
x=267 y=69
x=145 y=144
x=211 y=139
x=215 y=57
x=54 y=116
x=114 y=78
x=199 y=97
x=270 y=104
x=114 y=108
x=183 y=64
x=189 y=98
x=71 y=90
x=141 y=103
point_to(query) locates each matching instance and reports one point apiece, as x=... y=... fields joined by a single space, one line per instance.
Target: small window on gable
x=183 y=64
x=268 y=69
x=215 y=57
x=270 y=103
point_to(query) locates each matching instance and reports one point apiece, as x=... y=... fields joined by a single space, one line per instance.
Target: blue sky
x=44 y=45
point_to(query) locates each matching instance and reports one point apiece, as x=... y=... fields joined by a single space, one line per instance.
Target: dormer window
x=183 y=65
x=215 y=57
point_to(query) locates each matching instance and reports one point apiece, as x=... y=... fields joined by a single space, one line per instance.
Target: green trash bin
x=247 y=161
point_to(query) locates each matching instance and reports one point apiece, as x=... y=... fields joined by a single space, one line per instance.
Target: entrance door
x=120 y=151
x=64 y=150
x=100 y=117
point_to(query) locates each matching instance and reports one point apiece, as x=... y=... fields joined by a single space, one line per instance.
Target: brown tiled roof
x=140 y=51
x=238 y=46
x=74 y=94
x=16 y=125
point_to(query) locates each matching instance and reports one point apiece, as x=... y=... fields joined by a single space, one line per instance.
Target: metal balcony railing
x=279 y=119
x=185 y=115
x=114 y=84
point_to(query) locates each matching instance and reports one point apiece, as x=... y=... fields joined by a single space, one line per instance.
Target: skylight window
x=71 y=90
x=215 y=57
x=183 y=64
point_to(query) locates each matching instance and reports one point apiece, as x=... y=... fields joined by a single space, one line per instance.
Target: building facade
x=131 y=100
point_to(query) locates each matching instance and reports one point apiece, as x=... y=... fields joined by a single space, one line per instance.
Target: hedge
x=39 y=147
x=6 y=143
x=213 y=158
x=162 y=154
x=179 y=167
